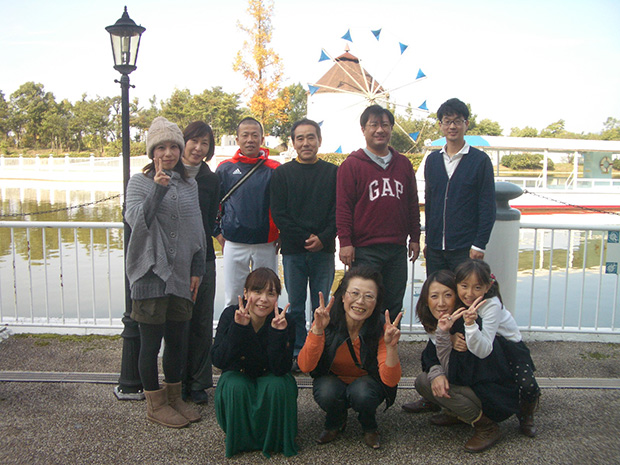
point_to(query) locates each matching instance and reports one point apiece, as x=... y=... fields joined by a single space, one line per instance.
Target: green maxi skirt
x=257 y=413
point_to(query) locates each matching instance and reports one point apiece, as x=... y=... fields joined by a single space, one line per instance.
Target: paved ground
x=62 y=423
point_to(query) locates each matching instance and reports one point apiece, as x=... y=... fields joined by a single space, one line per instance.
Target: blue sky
x=521 y=63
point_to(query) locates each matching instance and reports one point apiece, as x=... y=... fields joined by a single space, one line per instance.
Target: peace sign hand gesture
x=446 y=321
x=322 y=315
x=471 y=314
x=160 y=175
x=242 y=316
x=391 y=333
x=279 y=320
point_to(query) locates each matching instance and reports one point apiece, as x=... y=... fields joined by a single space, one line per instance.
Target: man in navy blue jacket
x=459 y=196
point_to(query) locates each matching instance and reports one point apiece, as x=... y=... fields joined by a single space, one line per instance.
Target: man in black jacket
x=303 y=205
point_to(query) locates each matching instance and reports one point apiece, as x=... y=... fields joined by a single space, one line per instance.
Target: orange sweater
x=343 y=365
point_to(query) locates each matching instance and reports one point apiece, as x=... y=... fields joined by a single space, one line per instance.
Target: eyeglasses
x=355 y=295
x=384 y=126
x=457 y=122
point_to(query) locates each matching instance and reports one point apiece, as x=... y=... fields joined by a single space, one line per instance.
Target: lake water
x=89 y=291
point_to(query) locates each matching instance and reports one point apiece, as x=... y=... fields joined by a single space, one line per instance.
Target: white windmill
x=338 y=98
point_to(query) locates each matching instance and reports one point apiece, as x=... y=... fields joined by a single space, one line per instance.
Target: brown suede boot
x=158 y=410
x=526 y=418
x=176 y=402
x=486 y=433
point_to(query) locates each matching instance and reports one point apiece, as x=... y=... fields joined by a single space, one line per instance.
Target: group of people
x=476 y=368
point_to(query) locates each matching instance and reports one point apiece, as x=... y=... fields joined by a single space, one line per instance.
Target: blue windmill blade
x=320 y=123
x=420 y=74
x=423 y=106
x=414 y=135
x=347 y=36
x=339 y=149
x=403 y=47
x=376 y=33
x=324 y=56
x=312 y=89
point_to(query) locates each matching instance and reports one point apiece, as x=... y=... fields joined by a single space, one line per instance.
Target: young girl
x=474 y=283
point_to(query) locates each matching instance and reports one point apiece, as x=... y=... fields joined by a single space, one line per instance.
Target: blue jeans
x=335 y=397
x=316 y=268
x=444 y=259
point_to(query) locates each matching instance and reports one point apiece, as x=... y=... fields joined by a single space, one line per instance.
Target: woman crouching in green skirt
x=256 y=395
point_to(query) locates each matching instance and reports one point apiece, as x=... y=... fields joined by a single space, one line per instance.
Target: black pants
x=175 y=335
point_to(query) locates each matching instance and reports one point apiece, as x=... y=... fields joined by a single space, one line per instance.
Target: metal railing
x=61 y=274
x=566 y=288
x=69 y=276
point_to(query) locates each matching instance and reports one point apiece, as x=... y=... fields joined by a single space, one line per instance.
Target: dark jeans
x=391 y=261
x=198 y=371
x=315 y=268
x=444 y=259
x=335 y=397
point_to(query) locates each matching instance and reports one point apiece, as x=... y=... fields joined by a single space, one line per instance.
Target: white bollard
x=502 y=252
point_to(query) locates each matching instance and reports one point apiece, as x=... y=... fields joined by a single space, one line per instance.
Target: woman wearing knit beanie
x=165 y=261
x=199 y=148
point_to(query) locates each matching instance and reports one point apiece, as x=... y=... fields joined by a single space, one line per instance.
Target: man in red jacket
x=377 y=210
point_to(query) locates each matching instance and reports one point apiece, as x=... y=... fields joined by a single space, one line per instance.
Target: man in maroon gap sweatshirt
x=377 y=207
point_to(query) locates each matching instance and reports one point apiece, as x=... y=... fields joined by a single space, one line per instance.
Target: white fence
x=68 y=276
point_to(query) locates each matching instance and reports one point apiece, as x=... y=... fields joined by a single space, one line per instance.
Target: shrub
x=114 y=149
x=616 y=164
x=338 y=158
x=526 y=161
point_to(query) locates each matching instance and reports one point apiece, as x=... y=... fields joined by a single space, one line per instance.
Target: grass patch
x=594 y=355
x=46 y=339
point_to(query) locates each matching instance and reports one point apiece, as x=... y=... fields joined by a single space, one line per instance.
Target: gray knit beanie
x=162 y=130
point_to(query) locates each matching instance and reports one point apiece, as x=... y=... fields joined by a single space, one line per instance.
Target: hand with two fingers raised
x=391 y=334
x=471 y=314
x=322 y=315
x=279 y=319
x=160 y=175
x=242 y=315
x=446 y=321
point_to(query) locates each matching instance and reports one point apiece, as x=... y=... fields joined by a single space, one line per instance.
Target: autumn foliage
x=261 y=66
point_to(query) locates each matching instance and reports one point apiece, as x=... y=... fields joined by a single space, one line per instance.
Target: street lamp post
x=125 y=37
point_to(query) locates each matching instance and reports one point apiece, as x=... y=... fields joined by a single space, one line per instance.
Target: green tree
x=611 y=129
x=260 y=65
x=55 y=126
x=144 y=117
x=93 y=124
x=215 y=107
x=527 y=131
x=486 y=127
x=220 y=110
x=427 y=128
x=4 y=118
x=296 y=109
x=29 y=104
x=554 y=130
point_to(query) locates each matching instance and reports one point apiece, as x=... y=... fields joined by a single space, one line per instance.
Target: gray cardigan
x=167 y=244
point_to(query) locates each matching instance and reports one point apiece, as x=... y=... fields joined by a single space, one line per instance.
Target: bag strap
x=242 y=180
x=353 y=356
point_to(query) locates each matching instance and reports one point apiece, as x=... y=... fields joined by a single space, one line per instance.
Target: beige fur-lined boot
x=176 y=402
x=159 y=411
